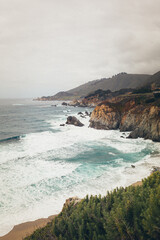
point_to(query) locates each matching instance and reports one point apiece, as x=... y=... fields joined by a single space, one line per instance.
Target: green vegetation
x=126 y=213
x=144 y=89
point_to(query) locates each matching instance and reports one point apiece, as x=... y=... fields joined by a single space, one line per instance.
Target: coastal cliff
x=139 y=114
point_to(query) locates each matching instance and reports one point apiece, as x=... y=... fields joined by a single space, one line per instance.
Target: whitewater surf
x=43 y=163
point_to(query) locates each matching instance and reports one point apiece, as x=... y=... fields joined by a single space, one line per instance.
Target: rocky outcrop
x=105 y=117
x=96 y=97
x=79 y=103
x=131 y=114
x=148 y=126
x=64 y=104
x=71 y=202
x=75 y=103
x=74 y=121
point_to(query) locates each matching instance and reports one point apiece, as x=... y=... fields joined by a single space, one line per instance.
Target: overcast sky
x=52 y=45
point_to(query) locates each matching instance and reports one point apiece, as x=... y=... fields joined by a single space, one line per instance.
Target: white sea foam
x=45 y=168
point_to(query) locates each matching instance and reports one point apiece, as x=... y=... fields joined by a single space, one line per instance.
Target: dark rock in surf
x=74 y=121
x=64 y=104
x=82 y=116
x=87 y=113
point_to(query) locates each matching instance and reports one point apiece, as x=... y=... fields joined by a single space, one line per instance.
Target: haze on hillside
x=49 y=46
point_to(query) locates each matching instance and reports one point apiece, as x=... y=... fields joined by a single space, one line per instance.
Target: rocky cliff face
x=129 y=114
x=105 y=117
x=148 y=124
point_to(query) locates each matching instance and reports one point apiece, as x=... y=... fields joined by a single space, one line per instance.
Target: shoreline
x=25 y=229
x=22 y=230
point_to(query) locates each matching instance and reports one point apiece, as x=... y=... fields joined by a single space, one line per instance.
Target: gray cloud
x=49 y=45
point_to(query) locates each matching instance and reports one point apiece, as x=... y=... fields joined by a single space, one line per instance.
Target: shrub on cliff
x=125 y=213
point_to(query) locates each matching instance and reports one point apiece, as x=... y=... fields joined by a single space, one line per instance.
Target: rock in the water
x=133 y=166
x=64 y=104
x=74 y=121
x=80 y=113
x=82 y=116
x=62 y=125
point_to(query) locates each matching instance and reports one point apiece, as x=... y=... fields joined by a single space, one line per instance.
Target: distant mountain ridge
x=115 y=83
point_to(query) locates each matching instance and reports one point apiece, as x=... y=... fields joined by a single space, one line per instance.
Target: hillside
x=117 y=82
x=151 y=86
x=125 y=213
x=152 y=83
x=155 y=78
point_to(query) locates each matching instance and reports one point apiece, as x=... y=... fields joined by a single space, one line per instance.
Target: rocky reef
x=135 y=113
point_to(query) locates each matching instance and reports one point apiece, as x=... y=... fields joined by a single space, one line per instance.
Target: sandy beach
x=25 y=229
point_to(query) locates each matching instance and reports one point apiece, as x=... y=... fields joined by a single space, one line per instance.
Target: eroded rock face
x=149 y=125
x=131 y=119
x=74 y=121
x=105 y=117
x=142 y=120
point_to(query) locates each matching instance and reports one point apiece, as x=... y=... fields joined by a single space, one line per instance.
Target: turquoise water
x=42 y=164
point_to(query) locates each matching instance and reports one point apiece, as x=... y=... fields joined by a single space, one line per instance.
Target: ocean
x=42 y=163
